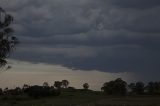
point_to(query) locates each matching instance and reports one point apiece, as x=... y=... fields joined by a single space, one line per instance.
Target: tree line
x=37 y=91
x=120 y=87
x=115 y=87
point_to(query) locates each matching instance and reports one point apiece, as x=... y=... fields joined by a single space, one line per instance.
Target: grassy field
x=80 y=99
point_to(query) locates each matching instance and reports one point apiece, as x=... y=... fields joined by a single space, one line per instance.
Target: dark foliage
x=137 y=88
x=58 y=84
x=7 y=40
x=86 y=86
x=41 y=91
x=153 y=88
x=65 y=83
x=116 y=87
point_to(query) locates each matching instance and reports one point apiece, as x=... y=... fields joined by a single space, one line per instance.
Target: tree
x=139 y=88
x=45 y=84
x=5 y=91
x=116 y=87
x=65 y=83
x=120 y=86
x=58 y=84
x=153 y=88
x=86 y=86
x=7 y=40
x=25 y=88
x=132 y=87
x=157 y=87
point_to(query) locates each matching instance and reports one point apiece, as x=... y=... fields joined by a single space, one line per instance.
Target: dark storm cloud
x=104 y=35
x=137 y=4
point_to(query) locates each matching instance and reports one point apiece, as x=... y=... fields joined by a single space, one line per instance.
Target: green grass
x=80 y=99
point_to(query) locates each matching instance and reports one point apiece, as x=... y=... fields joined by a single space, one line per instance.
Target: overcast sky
x=112 y=36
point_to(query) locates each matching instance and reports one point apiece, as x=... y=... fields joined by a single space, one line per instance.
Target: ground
x=80 y=99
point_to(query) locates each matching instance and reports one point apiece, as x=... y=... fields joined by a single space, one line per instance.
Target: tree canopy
x=116 y=87
x=85 y=86
x=65 y=83
x=7 y=40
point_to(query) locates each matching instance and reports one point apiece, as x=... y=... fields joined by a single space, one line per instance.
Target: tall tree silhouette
x=7 y=40
x=65 y=83
x=58 y=84
x=85 y=86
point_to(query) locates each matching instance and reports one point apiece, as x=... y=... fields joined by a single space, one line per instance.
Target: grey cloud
x=139 y=4
x=104 y=35
x=113 y=59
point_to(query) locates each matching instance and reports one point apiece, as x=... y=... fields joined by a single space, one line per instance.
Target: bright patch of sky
x=35 y=74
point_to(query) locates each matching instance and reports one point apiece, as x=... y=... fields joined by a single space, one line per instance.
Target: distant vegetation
x=120 y=87
x=116 y=87
x=113 y=93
